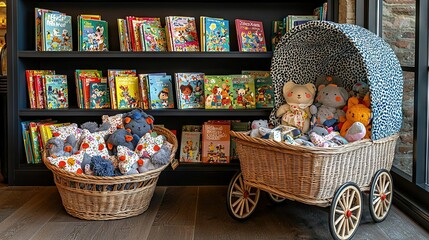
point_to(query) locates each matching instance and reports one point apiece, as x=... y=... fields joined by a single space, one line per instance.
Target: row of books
x=35 y=135
x=93 y=33
x=53 y=31
x=46 y=89
x=210 y=142
x=124 y=89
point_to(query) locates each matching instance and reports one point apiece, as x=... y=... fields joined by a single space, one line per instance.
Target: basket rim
x=172 y=139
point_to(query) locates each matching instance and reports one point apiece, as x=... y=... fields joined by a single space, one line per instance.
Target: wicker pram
x=107 y=198
x=333 y=176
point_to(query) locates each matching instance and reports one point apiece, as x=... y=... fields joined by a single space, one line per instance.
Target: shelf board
x=70 y=112
x=149 y=55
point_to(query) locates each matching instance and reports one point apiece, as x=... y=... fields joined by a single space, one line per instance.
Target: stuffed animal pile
x=327 y=117
x=123 y=144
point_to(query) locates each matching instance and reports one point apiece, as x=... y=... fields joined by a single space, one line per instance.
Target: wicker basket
x=107 y=198
x=311 y=175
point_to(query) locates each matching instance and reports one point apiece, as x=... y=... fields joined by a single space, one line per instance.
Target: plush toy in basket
x=109 y=171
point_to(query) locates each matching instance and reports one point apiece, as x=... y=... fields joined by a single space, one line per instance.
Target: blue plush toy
x=138 y=123
x=93 y=126
x=162 y=157
x=71 y=145
x=101 y=167
x=120 y=137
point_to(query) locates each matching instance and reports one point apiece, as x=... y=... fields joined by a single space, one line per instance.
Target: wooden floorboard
x=32 y=216
x=186 y=213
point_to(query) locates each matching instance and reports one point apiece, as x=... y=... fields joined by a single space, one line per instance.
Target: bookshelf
x=23 y=56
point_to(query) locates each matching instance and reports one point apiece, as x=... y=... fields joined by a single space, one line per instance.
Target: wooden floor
x=183 y=213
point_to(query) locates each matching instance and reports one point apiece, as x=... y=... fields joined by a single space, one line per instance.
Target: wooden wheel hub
x=348 y=214
x=383 y=197
x=246 y=194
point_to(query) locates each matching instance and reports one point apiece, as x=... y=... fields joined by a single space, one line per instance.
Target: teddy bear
x=357 y=112
x=93 y=126
x=295 y=112
x=259 y=128
x=57 y=147
x=120 y=137
x=332 y=99
x=138 y=123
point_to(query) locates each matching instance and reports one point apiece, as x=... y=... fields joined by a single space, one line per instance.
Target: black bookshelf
x=22 y=56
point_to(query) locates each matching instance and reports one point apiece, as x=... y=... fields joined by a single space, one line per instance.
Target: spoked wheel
x=346 y=211
x=380 y=195
x=275 y=198
x=241 y=199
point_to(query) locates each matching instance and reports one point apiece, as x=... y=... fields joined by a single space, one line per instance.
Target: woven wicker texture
x=107 y=198
x=311 y=175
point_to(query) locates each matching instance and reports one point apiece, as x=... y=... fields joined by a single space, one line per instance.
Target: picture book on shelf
x=124 y=39
x=277 y=31
x=218 y=92
x=263 y=88
x=127 y=92
x=39 y=12
x=182 y=33
x=57 y=32
x=190 y=90
x=238 y=127
x=86 y=81
x=153 y=37
x=79 y=75
x=111 y=74
x=190 y=147
x=216 y=35
x=144 y=92
x=94 y=35
x=215 y=143
x=244 y=91
x=250 y=36
x=30 y=76
x=56 y=91
x=160 y=91
x=99 y=95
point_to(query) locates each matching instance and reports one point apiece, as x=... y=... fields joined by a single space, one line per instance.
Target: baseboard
x=410 y=208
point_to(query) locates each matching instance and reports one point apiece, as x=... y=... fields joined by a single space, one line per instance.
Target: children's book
x=218 y=92
x=182 y=33
x=31 y=85
x=277 y=30
x=79 y=26
x=99 y=94
x=144 y=92
x=94 y=35
x=295 y=20
x=263 y=88
x=85 y=89
x=190 y=147
x=250 y=36
x=56 y=91
x=124 y=39
x=127 y=92
x=111 y=74
x=238 y=127
x=160 y=91
x=79 y=74
x=216 y=33
x=153 y=37
x=39 y=12
x=57 y=32
x=215 y=143
x=40 y=91
x=190 y=90
x=244 y=91
x=25 y=126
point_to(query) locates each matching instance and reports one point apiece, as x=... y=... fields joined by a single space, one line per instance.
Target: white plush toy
x=259 y=128
x=295 y=112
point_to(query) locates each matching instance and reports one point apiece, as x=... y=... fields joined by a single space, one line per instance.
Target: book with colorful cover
x=244 y=91
x=190 y=90
x=79 y=26
x=263 y=88
x=34 y=141
x=79 y=74
x=56 y=91
x=31 y=85
x=218 y=92
x=57 y=32
x=85 y=89
x=144 y=92
x=94 y=36
x=39 y=91
x=153 y=37
x=277 y=31
x=25 y=128
x=190 y=147
x=160 y=91
x=215 y=143
x=183 y=33
x=38 y=12
x=111 y=74
x=250 y=36
x=216 y=35
x=127 y=92
x=295 y=20
x=124 y=39
x=99 y=95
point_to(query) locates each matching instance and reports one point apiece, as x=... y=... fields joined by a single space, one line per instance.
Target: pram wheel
x=346 y=211
x=242 y=199
x=380 y=195
x=275 y=198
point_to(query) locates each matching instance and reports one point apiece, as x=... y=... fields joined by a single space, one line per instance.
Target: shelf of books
x=70 y=112
x=120 y=54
